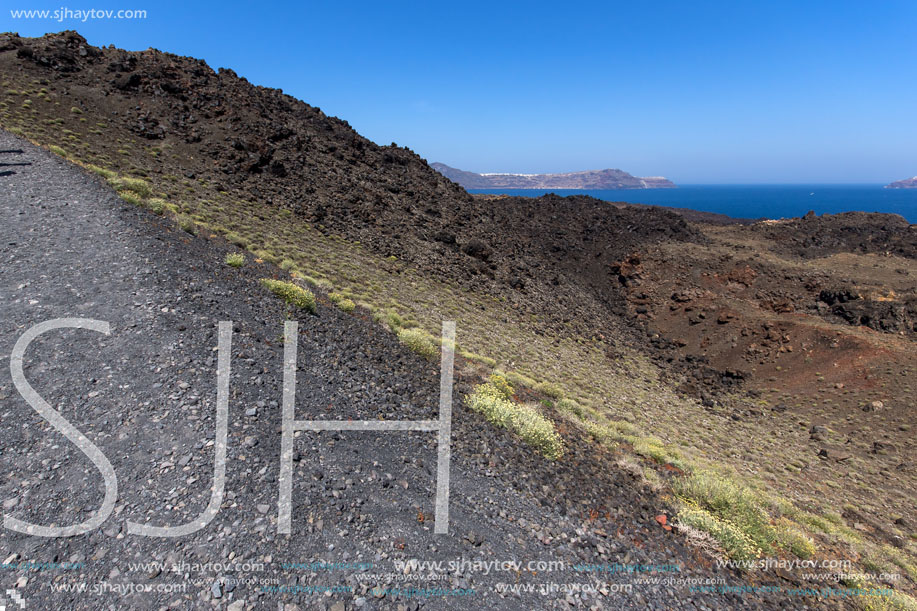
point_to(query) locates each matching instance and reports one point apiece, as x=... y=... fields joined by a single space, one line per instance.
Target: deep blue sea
x=756 y=201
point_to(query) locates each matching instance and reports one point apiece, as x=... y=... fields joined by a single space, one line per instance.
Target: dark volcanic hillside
x=243 y=142
x=813 y=236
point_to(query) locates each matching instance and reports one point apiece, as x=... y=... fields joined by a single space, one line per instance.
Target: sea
x=756 y=201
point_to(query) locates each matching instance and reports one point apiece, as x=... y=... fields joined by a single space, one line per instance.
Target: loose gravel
x=146 y=396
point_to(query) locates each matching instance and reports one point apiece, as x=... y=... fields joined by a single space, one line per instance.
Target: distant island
x=907 y=183
x=590 y=179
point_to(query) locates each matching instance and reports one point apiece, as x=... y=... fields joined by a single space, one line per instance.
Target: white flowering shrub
x=524 y=420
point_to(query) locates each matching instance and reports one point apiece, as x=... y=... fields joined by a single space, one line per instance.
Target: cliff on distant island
x=591 y=179
x=907 y=183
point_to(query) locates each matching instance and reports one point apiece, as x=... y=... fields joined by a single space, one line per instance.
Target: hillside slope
x=175 y=119
x=146 y=396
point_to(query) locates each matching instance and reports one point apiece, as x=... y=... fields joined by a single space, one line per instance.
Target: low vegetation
x=419 y=341
x=187 y=224
x=733 y=514
x=235 y=259
x=342 y=302
x=494 y=401
x=291 y=293
x=132 y=185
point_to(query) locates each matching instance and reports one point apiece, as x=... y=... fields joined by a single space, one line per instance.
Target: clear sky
x=701 y=92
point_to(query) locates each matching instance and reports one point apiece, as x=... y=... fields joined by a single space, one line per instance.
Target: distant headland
x=590 y=179
x=907 y=183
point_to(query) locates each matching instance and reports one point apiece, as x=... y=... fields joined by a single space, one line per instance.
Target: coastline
x=744 y=202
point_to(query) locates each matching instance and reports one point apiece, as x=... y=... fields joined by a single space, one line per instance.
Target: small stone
x=818 y=433
x=215 y=590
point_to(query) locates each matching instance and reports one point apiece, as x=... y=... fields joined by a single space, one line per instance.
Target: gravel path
x=146 y=396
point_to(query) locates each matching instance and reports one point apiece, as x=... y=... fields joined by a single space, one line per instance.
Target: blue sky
x=701 y=92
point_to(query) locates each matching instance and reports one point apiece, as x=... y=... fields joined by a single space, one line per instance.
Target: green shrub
x=791 y=538
x=235 y=259
x=500 y=383
x=342 y=302
x=653 y=448
x=287 y=264
x=728 y=502
x=103 y=172
x=524 y=420
x=734 y=542
x=186 y=223
x=596 y=430
x=346 y=305
x=135 y=185
x=131 y=198
x=58 y=151
x=419 y=341
x=389 y=318
x=76 y=110
x=291 y=293
x=157 y=205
